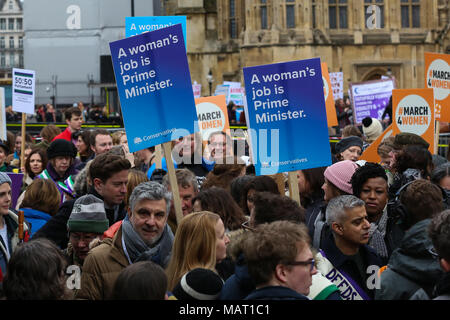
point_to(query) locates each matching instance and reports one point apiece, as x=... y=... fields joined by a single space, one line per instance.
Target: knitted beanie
x=372 y=128
x=340 y=174
x=61 y=148
x=406 y=138
x=88 y=215
x=348 y=142
x=199 y=284
x=4 y=178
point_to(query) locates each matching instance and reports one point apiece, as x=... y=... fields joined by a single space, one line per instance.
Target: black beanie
x=199 y=284
x=61 y=148
x=348 y=142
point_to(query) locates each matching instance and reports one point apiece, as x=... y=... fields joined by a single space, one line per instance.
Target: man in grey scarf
x=143 y=235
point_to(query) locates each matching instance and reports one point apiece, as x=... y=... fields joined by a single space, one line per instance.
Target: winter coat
x=56 y=228
x=275 y=293
x=346 y=265
x=410 y=267
x=239 y=285
x=12 y=226
x=101 y=269
x=36 y=218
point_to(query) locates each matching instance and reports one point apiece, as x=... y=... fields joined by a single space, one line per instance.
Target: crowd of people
x=100 y=222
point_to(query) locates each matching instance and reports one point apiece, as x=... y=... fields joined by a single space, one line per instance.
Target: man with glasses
x=344 y=257
x=268 y=208
x=280 y=261
x=86 y=222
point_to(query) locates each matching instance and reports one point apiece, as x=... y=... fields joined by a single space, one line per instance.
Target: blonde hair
x=116 y=137
x=194 y=246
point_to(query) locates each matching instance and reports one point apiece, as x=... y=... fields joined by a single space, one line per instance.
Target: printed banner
x=223 y=89
x=437 y=77
x=285 y=106
x=212 y=115
x=139 y=25
x=23 y=91
x=329 y=100
x=412 y=111
x=369 y=99
x=16 y=179
x=153 y=77
x=337 y=84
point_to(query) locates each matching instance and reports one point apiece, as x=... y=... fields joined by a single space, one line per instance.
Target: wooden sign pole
x=167 y=146
x=293 y=187
x=22 y=147
x=158 y=157
x=436 y=137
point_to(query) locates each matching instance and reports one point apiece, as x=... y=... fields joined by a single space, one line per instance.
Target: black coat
x=56 y=228
x=344 y=263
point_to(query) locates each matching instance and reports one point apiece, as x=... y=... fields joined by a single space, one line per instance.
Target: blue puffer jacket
x=36 y=218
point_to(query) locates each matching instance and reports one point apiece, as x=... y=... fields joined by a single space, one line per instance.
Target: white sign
x=413 y=114
x=337 y=84
x=23 y=90
x=197 y=88
x=2 y=114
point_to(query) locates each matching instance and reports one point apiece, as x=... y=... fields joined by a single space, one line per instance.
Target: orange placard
x=412 y=111
x=212 y=115
x=329 y=99
x=371 y=152
x=437 y=77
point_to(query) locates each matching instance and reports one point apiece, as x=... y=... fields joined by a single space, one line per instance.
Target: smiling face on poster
x=286 y=116
x=154 y=85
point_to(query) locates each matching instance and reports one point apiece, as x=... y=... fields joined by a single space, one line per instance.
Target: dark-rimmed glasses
x=310 y=263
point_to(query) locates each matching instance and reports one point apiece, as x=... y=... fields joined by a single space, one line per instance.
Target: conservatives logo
x=137 y=140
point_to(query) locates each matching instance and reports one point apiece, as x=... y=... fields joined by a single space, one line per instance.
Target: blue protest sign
x=154 y=86
x=138 y=25
x=287 y=116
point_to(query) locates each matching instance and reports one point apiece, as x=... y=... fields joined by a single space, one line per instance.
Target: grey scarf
x=377 y=232
x=138 y=250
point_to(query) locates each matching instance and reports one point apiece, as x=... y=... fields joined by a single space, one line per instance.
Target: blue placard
x=154 y=86
x=287 y=116
x=139 y=25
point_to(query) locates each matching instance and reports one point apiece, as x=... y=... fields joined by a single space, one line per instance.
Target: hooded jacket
x=411 y=266
x=36 y=218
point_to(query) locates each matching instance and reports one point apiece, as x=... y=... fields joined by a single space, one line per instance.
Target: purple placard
x=369 y=99
x=16 y=179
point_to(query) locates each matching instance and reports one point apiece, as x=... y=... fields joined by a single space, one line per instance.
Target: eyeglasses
x=311 y=263
x=246 y=226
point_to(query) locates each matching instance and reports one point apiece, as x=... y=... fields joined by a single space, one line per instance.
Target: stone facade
x=11 y=38
x=226 y=35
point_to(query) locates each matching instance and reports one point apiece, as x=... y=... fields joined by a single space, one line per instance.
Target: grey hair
x=150 y=190
x=185 y=179
x=337 y=206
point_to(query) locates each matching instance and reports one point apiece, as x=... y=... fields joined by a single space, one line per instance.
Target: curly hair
x=219 y=201
x=362 y=174
x=259 y=184
x=270 y=245
x=36 y=271
x=222 y=174
x=414 y=157
x=422 y=200
x=271 y=207
x=439 y=232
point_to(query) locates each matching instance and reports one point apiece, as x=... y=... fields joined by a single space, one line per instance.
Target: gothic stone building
x=363 y=38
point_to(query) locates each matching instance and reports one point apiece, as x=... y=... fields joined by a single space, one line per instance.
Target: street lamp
x=210 y=80
x=53 y=87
